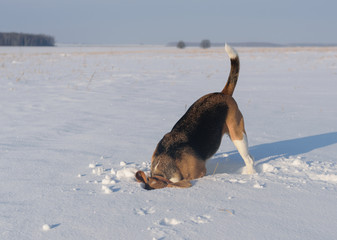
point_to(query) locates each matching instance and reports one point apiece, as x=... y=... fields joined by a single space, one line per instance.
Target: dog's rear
x=237 y=132
x=181 y=153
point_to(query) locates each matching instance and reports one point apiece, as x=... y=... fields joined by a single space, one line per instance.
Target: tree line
x=204 y=44
x=24 y=39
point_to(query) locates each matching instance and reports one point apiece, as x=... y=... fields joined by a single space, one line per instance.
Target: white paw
x=248 y=170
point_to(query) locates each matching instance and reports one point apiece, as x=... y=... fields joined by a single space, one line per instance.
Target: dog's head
x=164 y=166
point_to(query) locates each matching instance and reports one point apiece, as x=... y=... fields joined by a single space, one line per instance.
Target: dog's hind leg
x=242 y=147
x=236 y=130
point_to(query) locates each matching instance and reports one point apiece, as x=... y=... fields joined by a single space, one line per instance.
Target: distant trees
x=23 y=39
x=181 y=44
x=205 y=43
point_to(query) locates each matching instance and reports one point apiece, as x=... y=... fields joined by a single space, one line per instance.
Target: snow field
x=77 y=123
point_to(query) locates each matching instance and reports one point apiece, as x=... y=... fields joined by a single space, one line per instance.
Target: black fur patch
x=199 y=129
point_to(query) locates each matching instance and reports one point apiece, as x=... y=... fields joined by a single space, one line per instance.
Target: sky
x=160 y=22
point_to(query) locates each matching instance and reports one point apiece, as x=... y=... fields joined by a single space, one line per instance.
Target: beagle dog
x=182 y=153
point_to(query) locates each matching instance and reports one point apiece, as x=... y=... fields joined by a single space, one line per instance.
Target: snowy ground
x=76 y=123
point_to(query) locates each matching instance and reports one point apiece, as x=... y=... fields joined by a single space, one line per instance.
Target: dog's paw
x=248 y=170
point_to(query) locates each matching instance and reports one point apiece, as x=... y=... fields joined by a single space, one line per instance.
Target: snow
x=78 y=122
x=45 y=227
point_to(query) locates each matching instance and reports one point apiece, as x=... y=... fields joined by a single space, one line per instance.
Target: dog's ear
x=158 y=182
x=141 y=177
x=151 y=182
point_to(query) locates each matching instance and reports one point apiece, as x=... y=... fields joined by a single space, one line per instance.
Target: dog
x=182 y=153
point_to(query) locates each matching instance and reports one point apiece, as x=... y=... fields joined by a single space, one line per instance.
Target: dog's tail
x=234 y=73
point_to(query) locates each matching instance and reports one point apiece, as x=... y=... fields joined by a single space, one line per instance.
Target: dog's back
x=202 y=124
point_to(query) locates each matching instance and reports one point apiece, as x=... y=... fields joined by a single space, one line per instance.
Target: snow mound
x=258 y=186
x=297 y=167
x=92 y=165
x=98 y=170
x=201 y=219
x=169 y=222
x=126 y=173
x=107 y=179
x=46 y=227
x=106 y=189
x=268 y=168
x=332 y=178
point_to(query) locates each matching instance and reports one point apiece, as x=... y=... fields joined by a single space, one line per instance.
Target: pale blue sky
x=160 y=22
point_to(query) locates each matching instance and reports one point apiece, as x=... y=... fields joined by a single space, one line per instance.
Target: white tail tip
x=231 y=51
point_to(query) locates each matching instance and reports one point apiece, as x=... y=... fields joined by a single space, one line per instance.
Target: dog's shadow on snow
x=231 y=162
